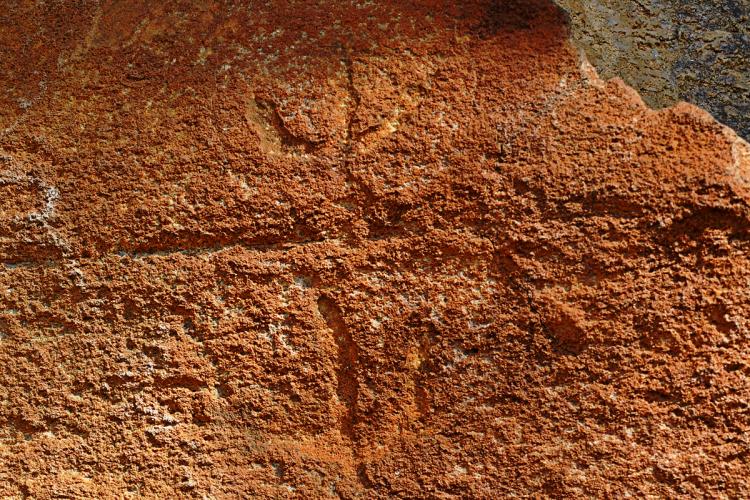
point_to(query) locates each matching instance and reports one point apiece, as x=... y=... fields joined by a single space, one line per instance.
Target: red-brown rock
x=359 y=250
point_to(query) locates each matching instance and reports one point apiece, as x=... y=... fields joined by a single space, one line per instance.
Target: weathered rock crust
x=359 y=250
x=672 y=50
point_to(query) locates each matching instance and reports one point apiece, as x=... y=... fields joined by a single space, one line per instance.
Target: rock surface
x=672 y=50
x=359 y=250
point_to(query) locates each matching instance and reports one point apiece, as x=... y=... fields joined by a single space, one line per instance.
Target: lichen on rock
x=672 y=50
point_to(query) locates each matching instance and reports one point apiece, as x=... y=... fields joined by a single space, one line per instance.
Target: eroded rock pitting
x=360 y=250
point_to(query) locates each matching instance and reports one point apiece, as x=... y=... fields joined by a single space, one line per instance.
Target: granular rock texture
x=358 y=249
x=672 y=50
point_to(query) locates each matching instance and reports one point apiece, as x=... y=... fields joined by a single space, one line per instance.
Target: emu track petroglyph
x=359 y=249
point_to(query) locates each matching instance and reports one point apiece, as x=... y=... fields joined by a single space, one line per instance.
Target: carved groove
x=346 y=368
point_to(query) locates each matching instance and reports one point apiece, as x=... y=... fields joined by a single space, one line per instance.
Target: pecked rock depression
x=352 y=249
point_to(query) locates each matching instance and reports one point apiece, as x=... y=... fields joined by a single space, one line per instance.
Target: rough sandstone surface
x=359 y=250
x=672 y=50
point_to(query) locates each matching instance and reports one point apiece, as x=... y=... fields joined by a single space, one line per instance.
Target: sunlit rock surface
x=359 y=250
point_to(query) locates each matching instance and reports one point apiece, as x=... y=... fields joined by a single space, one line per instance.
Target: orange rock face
x=359 y=249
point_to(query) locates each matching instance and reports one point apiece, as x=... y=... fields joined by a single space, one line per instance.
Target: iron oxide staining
x=530 y=281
